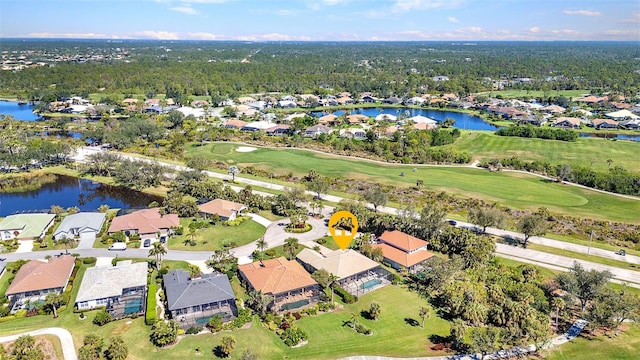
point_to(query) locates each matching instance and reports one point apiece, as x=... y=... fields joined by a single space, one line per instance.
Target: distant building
x=25 y=226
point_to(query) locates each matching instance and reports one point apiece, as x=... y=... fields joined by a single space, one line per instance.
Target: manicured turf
x=581 y=256
x=604 y=347
x=511 y=189
x=214 y=237
x=486 y=146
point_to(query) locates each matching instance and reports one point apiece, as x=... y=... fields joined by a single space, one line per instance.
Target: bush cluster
x=344 y=295
x=528 y=131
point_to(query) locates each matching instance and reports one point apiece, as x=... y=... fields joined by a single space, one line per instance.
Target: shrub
x=193 y=330
x=150 y=316
x=215 y=323
x=361 y=329
x=346 y=297
x=102 y=318
x=293 y=336
x=324 y=306
x=89 y=260
x=270 y=252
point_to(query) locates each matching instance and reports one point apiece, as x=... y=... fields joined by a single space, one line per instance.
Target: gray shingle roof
x=82 y=221
x=106 y=281
x=183 y=292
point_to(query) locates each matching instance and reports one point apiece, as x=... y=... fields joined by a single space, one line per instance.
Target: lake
x=69 y=191
x=19 y=112
x=462 y=120
x=629 y=137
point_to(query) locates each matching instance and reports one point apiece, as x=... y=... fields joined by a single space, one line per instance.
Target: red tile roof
x=401 y=257
x=402 y=241
x=221 y=207
x=276 y=276
x=145 y=221
x=37 y=275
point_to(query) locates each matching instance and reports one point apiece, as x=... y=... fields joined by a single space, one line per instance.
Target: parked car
x=622 y=252
x=452 y=222
x=119 y=246
x=147 y=242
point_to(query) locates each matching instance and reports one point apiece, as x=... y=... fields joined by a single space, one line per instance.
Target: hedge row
x=150 y=314
x=346 y=297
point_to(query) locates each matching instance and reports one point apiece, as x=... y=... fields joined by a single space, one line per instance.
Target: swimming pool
x=133 y=306
x=371 y=283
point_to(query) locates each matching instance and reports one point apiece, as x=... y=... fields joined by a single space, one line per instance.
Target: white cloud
x=334 y=2
x=185 y=10
x=203 y=36
x=159 y=35
x=401 y=6
x=534 y=29
x=635 y=18
x=453 y=19
x=583 y=12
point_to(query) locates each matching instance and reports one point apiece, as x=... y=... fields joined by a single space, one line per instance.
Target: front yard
x=217 y=236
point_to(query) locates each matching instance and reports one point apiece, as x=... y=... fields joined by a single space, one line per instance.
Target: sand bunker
x=245 y=149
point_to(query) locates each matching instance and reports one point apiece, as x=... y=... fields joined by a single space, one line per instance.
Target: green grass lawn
x=329 y=339
x=516 y=190
x=603 y=347
x=581 y=256
x=214 y=237
x=485 y=146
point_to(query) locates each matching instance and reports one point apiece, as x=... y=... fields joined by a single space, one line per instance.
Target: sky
x=322 y=20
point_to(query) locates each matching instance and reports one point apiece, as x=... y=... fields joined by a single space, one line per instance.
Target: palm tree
x=227 y=345
x=53 y=300
x=233 y=171
x=290 y=247
x=609 y=162
x=157 y=250
x=354 y=319
x=558 y=304
x=332 y=281
x=258 y=302
x=374 y=311
x=424 y=314
x=261 y=246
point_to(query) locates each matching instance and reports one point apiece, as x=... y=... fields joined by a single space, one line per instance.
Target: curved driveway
x=68 y=349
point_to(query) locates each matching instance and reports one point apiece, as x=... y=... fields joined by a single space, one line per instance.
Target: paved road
x=540 y=258
x=68 y=349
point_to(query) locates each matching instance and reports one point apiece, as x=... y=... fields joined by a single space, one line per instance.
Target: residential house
x=593 y=99
x=257 y=126
x=386 y=117
x=200 y=103
x=419 y=119
x=226 y=210
x=356 y=273
x=532 y=120
x=553 y=109
x=192 y=302
x=286 y=281
x=440 y=78
x=25 y=226
x=287 y=104
x=368 y=99
x=353 y=133
x=403 y=250
x=235 y=124
x=37 y=278
x=245 y=99
x=280 y=129
x=84 y=225
x=148 y=223
x=450 y=97
x=604 y=124
x=622 y=115
x=355 y=119
x=130 y=101
x=329 y=119
x=394 y=100
x=121 y=289
x=415 y=101
x=424 y=126
x=345 y=100
x=317 y=130
x=199 y=114
x=631 y=124
x=291 y=117
x=567 y=122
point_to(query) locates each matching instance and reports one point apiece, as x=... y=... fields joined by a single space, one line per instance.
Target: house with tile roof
x=317 y=130
x=567 y=123
x=356 y=273
x=25 y=226
x=192 y=302
x=226 y=210
x=121 y=289
x=37 y=278
x=604 y=124
x=84 y=225
x=148 y=223
x=403 y=250
x=286 y=281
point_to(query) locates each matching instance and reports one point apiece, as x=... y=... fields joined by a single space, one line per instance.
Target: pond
x=18 y=111
x=629 y=137
x=69 y=191
x=462 y=120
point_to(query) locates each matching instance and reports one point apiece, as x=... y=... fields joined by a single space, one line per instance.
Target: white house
x=85 y=225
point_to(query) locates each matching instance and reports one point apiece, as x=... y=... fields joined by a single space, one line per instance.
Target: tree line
x=528 y=131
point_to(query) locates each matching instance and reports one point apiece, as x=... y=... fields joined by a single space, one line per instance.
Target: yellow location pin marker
x=343 y=226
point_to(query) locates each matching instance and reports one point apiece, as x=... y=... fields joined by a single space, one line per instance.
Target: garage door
x=89 y=236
